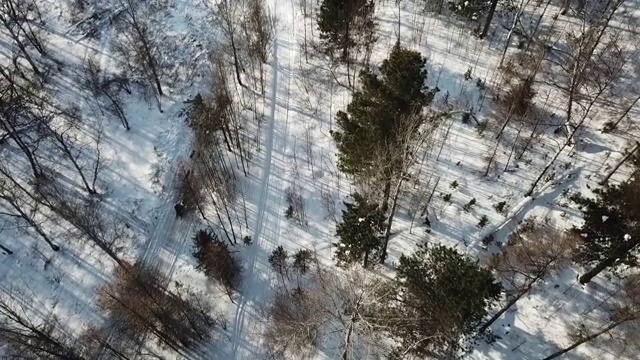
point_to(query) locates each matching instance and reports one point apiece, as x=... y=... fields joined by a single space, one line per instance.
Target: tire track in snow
x=165 y=229
x=165 y=223
x=262 y=204
x=267 y=225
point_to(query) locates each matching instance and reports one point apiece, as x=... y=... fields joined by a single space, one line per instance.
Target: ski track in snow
x=538 y=320
x=239 y=323
x=167 y=232
x=267 y=229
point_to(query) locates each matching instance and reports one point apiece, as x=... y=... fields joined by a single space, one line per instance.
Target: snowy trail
x=164 y=230
x=267 y=228
x=167 y=227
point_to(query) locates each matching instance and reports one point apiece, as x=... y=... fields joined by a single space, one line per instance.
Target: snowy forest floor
x=296 y=151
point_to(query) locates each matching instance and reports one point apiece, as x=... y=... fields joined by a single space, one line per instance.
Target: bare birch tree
x=28 y=336
x=591 y=69
x=414 y=136
x=229 y=14
x=327 y=308
x=139 y=301
x=18 y=203
x=259 y=30
x=624 y=312
x=533 y=252
x=107 y=88
x=16 y=18
x=138 y=46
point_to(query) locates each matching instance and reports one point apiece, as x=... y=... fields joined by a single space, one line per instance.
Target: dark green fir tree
x=359 y=232
x=611 y=228
x=373 y=119
x=344 y=24
x=278 y=260
x=442 y=297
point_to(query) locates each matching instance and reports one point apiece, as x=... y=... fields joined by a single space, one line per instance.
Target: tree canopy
x=442 y=297
x=343 y=25
x=359 y=232
x=611 y=228
x=374 y=117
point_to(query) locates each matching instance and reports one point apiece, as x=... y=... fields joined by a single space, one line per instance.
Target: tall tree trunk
x=513 y=26
x=236 y=62
x=30 y=221
x=347 y=338
x=615 y=168
x=119 y=110
x=9 y=252
x=588 y=276
x=490 y=160
x=385 y=196
x=13 y=134
x=530 y=138
x=588 y=338
x=74 y=162
x=157 y=82
x=513 y=147
x=487 y=23
x=624 y=114
x=23 y=50
x=506 y=307
x=387 y=234
x=555 y=157
x=535 y=29
x=19 y=19
x=610 y=261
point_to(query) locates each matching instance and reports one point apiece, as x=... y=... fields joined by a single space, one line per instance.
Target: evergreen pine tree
x=442 y=297
x=342 y=23
x=301 y=260
x=470 y=9
x=611 y=229
x=359 y=232
x=374 y=115
x=278 y=260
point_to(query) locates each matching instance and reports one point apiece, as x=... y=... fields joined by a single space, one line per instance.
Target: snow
x=299 y=108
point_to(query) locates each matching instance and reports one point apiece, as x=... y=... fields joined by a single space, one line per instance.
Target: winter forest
x=319 y=179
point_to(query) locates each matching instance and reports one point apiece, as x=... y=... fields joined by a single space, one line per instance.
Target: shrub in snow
x=484 y=220
x=500 y=207
x=139 y=304
x=470 y=9
x=467 y=207
x=296 y=209
x=467 y=74
x=216 y=261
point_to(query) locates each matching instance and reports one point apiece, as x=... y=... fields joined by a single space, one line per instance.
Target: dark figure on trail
x=427 y=222
x=180 y=209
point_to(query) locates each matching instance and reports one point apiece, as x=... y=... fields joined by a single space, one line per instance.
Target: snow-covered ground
x=139 y=177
